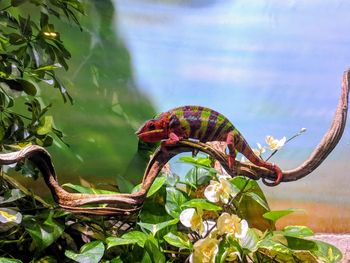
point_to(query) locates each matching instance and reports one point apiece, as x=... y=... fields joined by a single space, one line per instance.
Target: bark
x=127 y=204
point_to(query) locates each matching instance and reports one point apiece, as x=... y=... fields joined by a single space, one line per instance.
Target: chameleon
x=205 y=125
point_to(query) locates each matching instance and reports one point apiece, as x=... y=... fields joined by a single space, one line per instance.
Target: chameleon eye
x=151 y=126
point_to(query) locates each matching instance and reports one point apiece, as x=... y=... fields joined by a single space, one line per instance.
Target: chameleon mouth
x=151 y=136
x=139 y=133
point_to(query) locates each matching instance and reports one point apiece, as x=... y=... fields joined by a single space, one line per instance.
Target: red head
x=153 y=130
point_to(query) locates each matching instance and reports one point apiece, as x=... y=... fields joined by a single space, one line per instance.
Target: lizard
x=204 y=125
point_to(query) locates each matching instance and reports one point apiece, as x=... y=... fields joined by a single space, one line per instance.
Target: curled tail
x=236 y=141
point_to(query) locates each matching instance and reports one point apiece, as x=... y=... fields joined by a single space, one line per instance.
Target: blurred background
x=271 y=67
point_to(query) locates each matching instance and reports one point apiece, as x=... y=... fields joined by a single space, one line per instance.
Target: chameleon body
x=205 y=125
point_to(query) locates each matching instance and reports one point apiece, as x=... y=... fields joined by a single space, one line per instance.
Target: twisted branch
x=126 y=204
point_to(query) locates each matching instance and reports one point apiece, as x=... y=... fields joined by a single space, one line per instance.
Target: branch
x=319 y=154
x=121 y=204
x=126 y=204
x=329 y=140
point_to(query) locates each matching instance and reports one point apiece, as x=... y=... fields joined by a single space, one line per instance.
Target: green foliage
x=43 y=230
x=87 y=190
x=154 y=228
x=31 y=52
x=179 y=240
x=174 y=200
x=11 y=195
x=176 y=222
x=275 y=215
x=201 y=204
x=91 y=252
x=132 y=237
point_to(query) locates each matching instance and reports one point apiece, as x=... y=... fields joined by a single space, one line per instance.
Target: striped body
x=205 y=125
x=200 y=123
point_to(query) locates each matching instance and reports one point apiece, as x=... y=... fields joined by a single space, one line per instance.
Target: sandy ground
x=320 y=217
x=330 y=222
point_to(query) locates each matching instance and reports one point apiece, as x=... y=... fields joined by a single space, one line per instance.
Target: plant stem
x=5 y=8
x=17 y=185
x=291 y=138
x=176 y=252
x=211 y=229
x=18 y=114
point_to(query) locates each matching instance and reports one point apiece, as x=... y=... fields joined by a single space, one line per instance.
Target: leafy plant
x=31 y=52
x=181 y=220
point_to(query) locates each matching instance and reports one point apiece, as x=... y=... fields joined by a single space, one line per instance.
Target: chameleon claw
x=194 y=152
x=278 y=179
x=231 y=161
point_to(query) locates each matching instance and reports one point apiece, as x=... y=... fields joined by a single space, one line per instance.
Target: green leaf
x=275 y=215
x=45 y=125
x=297 y=231
x=28 y=87
x=87 y=190
x=197 y=176
x=258 y=199
x=43 y=233
x=17 y=2
x=46 y=259
x=201 y=203
x=154 y=252
x=250 y=240
x=174 y=200
x=220 y=256
x=304 y=256
x=146 y=258
x=48 y=67
x=297 y=243
x=154 y=228
x=133 y=237
x=276 y=250
x=157 y=184
x=115 y=260
x=153 y=210
x=252 y=211
x=327 y=252
x=124 y=185
x=199 y=161
x=16 y=39
x=117 y=241
x=9 y=260
x=35 y=55
x=138 y=236
x=179 y=240
x=25 y=26
x=91 y=252
x=11 y=196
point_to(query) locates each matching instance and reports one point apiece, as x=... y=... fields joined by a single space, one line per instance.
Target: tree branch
x=329 y=140
x=126 y=204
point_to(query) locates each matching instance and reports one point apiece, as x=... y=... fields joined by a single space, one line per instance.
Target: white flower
x=219 y=191
x=205 y=250
x=275 y=144
x=192 y=218
x=209 y=229
x=232 y=224
x=259 y=151
x=232 y=255
x=224 y=176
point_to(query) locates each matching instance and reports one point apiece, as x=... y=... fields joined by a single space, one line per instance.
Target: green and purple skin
x=205 y=125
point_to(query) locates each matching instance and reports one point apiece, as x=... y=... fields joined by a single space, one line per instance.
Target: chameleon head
x=152 y=131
